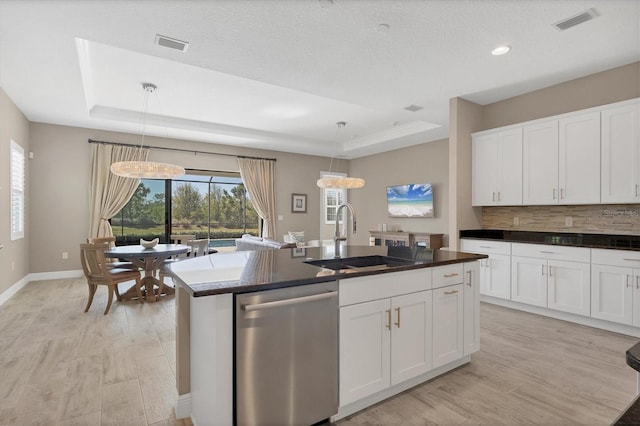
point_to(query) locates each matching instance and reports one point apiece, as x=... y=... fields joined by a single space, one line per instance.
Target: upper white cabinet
x=561 y=161
x=579 y=159
x=540 y=163
x=620 y=153
x=584 y=157
x=497 y=168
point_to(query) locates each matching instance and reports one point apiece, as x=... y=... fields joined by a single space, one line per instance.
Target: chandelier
x=146 y=169
x=340 y=182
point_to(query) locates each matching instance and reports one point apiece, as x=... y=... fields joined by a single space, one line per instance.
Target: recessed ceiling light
x=501 y=50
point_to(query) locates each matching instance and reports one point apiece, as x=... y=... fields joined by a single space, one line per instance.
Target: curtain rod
x=183 y=150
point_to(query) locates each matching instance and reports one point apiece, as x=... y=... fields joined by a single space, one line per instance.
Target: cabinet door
x=498 y=276
x=509 y=179
x=569 y=287
x=579 y=159
x=471 y=330
x=411 y=336
x=621 y=154
x=529 y=280
x=448 y=325
x=485 y=169
x=612 y=293
x=365 y=331
x=540 y=163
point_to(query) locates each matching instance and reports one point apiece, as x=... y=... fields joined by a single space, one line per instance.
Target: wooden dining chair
x=97 y=273
x=112 y=262
x=197 y=248
x=181 y=239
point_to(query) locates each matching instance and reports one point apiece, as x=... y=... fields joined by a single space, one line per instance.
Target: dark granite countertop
x=245 y=271
x=631 y=415
x=607 y=241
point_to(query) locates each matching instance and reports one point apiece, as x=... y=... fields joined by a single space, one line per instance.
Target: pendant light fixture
x=339 y=182
x=146 y=169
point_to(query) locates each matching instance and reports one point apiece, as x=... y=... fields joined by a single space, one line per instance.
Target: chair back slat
x=181 y=239
x=94 y=260
x=199 y=247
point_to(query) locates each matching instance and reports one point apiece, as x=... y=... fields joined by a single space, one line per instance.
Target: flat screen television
x=413 y=200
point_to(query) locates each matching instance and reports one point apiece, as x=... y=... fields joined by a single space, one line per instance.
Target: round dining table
x=149 y=260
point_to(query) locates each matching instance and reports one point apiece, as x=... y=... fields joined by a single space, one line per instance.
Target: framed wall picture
x=298 y=203
x=298 y=252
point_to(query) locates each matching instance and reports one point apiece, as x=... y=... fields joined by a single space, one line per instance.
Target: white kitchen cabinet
x=497 y=168
x=365 y=342
x=556 y=277
x=471 y=329
x=561 y=160
x=579 y=159
x=411 y=337
x=540 y=163
x=615 y=286
x=448 y=324
x=495 y=272
x=385 y=331
x=620 y=154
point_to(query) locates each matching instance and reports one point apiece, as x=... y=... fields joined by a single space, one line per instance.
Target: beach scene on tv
x=414 y=200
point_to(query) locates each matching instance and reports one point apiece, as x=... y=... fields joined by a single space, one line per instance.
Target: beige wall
x=61 y=169
x=615 y=85
x=464 y=118
x=14 y=257
x=416 y=164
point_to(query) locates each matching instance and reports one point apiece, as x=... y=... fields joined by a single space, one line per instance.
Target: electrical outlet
x=516 y=221
x=568 y=221
x=65 y=255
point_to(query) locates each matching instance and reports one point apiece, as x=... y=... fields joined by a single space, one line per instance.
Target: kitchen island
x=437 y=286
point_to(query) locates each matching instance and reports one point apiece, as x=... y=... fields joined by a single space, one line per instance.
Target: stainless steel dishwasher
x=286 y=352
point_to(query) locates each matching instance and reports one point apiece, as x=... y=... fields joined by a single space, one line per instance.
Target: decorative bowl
x=149 y=244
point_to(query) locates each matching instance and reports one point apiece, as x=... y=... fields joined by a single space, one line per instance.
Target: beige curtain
x=110 y=193
x=259 y=179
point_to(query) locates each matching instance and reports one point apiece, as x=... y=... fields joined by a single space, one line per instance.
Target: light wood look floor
x=61 y=366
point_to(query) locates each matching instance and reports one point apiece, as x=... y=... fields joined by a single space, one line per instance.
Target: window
x=332 y=199
x=17 y=191
x=214 y=206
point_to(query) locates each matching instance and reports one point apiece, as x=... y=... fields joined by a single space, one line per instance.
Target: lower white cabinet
x=448 y=324
x=471 y=309
x=554 y=277
x=382 y=343
x=495 y=272
x=615 y=286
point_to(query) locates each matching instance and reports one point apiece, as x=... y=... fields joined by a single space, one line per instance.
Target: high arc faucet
x=337 y=237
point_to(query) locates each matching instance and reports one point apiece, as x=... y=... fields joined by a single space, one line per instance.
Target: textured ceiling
x=279 y=74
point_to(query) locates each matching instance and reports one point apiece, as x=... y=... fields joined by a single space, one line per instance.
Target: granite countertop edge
x=588 y=240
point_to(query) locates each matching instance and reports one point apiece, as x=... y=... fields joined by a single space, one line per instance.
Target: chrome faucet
x=336 y=237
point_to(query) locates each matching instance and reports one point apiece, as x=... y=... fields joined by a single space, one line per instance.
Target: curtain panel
x=258 y=177
x=110 y=193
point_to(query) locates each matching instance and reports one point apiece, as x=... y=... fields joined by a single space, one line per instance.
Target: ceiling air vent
x=413 y=108
x=578 y=19
x=171 y=43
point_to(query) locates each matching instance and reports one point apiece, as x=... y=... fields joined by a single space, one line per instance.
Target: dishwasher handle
x=288 y=302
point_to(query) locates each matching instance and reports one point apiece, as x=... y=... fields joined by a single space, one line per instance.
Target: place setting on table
x=150 y=257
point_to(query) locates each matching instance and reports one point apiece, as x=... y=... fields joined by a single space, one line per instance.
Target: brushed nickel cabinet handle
x=547 y=252
x=633 y=260
x=550 y=274
x=561 y=193
x=493 y=196
x=451 y=292
x=637 y=281
x=398 y=317
x=450 y=275
x=628 y=276
x=542 y=272
x=637 y=189
x=469 y=283
x=388 y=311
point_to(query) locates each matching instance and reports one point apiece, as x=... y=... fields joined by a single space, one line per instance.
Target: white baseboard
x=565 y=316
x=6 y=295
x=38 y=276
x=58 y=275
x=183 y=406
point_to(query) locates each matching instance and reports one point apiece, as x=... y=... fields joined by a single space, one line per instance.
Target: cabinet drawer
x=626 y=258
x=544 y=251
x=448 y=275
x=485 y=246
x=373 y=287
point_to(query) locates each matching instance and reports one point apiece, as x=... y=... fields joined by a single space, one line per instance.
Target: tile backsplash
x=594 y=219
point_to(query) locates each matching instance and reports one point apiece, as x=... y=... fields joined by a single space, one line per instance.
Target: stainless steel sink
x=361 y=263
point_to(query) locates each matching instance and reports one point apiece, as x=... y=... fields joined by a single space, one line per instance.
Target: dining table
x=149 y=260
